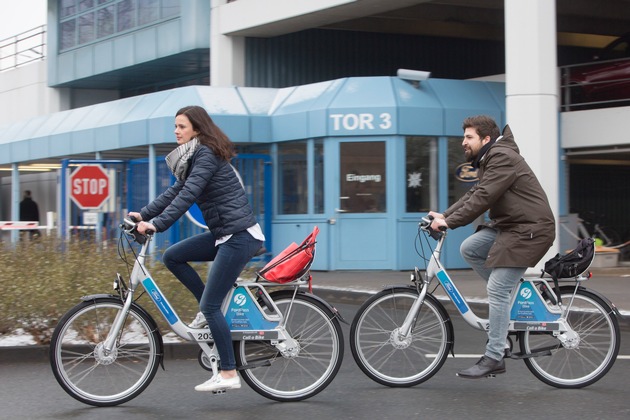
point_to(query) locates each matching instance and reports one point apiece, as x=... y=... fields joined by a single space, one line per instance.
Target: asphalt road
x=28 y=390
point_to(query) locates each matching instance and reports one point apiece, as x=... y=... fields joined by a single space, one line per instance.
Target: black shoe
x=486 y=366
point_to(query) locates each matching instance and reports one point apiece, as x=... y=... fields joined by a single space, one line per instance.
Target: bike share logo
x=240 y=299
x=526 y=293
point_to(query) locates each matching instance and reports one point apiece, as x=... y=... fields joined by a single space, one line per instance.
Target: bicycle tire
x=85 y=372
x=398 y=362
x=599 y=339
x=301 y=374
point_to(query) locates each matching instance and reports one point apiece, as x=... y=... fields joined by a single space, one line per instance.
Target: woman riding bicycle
x=201 y=165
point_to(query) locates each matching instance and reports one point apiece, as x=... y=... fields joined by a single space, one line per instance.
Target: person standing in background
x=29 y=212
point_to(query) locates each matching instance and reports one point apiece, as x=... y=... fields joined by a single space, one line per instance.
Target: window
x=105 y=22
x=318 y=194
x=126 y=15
x=292 y=177
x=86 y=28
x=82 y=22
x=420 y=168
x=362 y=177
x=148 y=11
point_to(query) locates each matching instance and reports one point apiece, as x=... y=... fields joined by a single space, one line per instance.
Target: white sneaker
x=219 y=383
x=200 y=321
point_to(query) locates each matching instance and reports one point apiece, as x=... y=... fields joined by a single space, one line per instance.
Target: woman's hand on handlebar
x=144 y=227
x=134 y=216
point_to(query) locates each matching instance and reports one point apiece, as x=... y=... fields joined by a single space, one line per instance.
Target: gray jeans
x=501 y=281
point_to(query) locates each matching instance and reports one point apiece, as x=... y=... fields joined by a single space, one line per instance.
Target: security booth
x=366 y=158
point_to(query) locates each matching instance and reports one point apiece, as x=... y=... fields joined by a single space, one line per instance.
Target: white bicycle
x=288 y=344
x=402 y=336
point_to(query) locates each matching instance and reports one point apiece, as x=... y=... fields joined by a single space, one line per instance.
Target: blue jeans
x=501 y=281
x=229 y=260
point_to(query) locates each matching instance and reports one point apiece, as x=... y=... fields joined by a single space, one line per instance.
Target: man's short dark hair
x=483 y=125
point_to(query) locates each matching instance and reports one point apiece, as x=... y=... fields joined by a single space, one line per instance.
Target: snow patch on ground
x=18 y=338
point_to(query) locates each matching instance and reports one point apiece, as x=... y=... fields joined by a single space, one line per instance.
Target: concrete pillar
x=152 y=184
x=532 y=91
x=227 y=53
x=15 y=200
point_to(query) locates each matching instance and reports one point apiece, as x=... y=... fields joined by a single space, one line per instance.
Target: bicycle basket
x=292 y=263
x=574 y=263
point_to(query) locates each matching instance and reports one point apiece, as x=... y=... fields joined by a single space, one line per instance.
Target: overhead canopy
x=355 y=106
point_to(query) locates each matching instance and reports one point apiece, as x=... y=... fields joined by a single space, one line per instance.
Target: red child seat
x=292 y=263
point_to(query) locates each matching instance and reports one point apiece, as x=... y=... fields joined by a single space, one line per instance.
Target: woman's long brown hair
x=209 y=133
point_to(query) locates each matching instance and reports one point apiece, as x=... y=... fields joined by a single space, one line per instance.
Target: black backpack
x=572 y=264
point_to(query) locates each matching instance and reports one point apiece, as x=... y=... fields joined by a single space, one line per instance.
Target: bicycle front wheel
x=90 y=374
x=386 y=356
x=589 y=351
x=301 y=366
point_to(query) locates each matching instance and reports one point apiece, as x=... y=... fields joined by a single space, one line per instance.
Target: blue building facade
x=363 y=158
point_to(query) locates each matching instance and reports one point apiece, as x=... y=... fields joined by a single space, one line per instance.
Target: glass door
x=361 y=231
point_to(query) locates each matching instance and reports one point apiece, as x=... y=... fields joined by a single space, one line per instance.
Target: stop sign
x=89 y=186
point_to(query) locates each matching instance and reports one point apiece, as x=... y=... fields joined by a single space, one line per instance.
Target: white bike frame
x=274 y=320
x=556 y=323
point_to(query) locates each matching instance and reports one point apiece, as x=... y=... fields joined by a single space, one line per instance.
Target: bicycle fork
x=121 y=316
x=404 y=330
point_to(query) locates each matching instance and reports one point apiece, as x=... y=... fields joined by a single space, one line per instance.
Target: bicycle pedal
x=219 y=392
x=491 y=375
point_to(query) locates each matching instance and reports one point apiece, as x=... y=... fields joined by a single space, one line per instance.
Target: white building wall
x=24 y=94
x=595 y=128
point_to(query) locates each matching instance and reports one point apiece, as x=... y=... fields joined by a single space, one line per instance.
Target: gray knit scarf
x=179 y=159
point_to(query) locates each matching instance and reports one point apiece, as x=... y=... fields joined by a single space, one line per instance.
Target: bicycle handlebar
x=130 y=227
x=425 y=224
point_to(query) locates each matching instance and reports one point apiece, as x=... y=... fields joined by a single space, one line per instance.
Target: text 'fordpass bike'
x=288 y=343
x=569 y=335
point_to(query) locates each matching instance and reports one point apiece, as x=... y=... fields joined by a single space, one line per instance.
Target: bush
x=42 y=279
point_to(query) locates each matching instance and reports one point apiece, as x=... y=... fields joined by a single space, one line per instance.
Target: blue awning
x=355 y=106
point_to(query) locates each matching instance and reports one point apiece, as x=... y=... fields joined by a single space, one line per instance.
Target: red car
x=606 y=80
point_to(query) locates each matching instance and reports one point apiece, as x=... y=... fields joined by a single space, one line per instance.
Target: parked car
x=607 y=79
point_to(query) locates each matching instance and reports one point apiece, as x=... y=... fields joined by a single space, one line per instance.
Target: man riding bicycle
x=520 y=231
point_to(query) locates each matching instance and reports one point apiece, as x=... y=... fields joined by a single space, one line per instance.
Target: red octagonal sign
x=89 y=186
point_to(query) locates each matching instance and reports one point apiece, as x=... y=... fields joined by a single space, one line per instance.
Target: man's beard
x=468 y=154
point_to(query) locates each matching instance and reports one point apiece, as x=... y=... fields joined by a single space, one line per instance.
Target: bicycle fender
x=98 y=296
x=138 y=308
x=605 y=299
x=336 y=313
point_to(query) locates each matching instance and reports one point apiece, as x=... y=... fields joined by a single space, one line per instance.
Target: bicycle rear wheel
x=588 y=356
x=392 y=360
x=305 y=364
x=89 y=374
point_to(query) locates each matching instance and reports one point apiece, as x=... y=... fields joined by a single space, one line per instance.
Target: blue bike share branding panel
x=159 y=300
x=244 y=313
x=452 y=291
x=528 y=306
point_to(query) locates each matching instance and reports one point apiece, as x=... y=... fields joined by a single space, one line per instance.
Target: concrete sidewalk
x=613 y=283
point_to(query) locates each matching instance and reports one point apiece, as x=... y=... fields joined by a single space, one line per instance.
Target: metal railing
x=23 y=48
x=598 y=84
